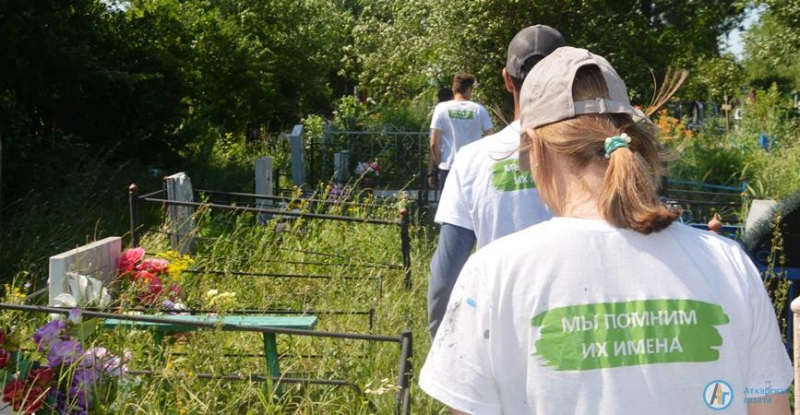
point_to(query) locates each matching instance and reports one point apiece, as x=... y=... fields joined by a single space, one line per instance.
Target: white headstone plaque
x=180 y=218
x=97 y=260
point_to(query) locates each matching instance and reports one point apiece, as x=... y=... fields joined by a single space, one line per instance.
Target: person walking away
x=610 y=307
x=455 y=123
x=487 y=196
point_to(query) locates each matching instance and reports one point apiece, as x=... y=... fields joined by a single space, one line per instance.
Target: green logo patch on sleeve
x=506 y=176
x=608 y=335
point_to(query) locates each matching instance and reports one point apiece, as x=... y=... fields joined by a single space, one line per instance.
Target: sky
x=734 y=42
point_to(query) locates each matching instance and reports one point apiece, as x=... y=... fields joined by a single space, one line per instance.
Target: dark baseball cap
x=531 y=41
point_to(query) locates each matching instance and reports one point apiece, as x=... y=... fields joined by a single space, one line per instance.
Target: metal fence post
x=405 y=245
x=402 y=403
x=133 y=205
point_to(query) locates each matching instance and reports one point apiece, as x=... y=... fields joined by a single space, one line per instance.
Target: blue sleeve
x=455 y=247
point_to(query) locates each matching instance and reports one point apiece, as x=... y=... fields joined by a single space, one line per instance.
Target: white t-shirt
x=574 y=316
x=460 y=123
x=487 y=193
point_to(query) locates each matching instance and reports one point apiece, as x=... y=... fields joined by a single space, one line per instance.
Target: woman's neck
x=582 y=194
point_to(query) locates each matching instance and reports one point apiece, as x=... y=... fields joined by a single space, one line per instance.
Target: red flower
x=5 y=357
x=33 y=400
x=22 y=398
x=41 y=376
x=2 y=337
x=129 y=259
x=174 y=292
x=153 y=290
x=142 y=276
x=154 y=266
x=14 y=391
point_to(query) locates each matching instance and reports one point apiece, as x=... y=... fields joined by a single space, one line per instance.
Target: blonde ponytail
x=629 y=195
x=628 y=198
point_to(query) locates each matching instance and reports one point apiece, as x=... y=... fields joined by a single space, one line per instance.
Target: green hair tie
x=615 y=142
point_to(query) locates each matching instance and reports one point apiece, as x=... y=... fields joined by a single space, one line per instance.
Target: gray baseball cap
x=531 y=41
x=546 y=94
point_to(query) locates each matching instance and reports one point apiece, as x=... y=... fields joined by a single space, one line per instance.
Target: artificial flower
x=129 y=259
x=145 y=276
x=154 y=266
x=41 y=376
x=153 y=291
x=23 y=399
x=82 y=291
x=5 y=357
x=74 y=316
x=64 y=351
x=49 y=333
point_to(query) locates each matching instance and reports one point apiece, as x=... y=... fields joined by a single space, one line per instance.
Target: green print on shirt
x=607 y=335
x=506 y=176
x=461 y=114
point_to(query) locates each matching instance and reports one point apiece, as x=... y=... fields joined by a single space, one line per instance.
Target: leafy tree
x=713 y=78
x=405 y=46
x=771 y=48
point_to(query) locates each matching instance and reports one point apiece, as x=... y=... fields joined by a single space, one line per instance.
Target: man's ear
x=508 y=82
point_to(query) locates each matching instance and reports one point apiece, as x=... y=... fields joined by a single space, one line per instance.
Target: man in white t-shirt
x=455 y=123
x=487 y=196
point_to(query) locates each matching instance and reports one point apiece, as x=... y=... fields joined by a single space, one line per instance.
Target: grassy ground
x=234 y=242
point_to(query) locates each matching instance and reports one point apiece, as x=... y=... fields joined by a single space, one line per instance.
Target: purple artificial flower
x=102 y=362
x=83 y=379
x=48 y=334
x=73 y=403
x=64 y=351
x=115 y=367
x=74 y=316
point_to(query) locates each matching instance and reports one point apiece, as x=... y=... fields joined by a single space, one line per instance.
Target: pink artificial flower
x=129 y=259
x=156 y=266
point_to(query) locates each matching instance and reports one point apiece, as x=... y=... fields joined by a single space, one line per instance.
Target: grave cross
x=727 y=108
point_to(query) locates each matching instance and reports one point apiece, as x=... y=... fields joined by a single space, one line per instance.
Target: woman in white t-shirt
x=609 y=308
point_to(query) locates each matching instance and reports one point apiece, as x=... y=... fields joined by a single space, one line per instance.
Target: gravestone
x=341 y=166
x=264 y=186
x=697 y=114
x=180 y=220
x=298 y=155
x=97 y=260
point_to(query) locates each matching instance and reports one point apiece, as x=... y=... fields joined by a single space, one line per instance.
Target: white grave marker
x=264 y=186
x=97 y=260
x=341 y=166
x=298 y=155
x=180 y=220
